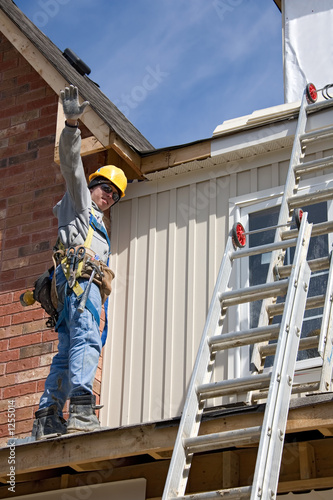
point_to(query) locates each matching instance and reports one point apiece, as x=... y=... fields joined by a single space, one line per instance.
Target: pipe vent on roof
x=76 y=62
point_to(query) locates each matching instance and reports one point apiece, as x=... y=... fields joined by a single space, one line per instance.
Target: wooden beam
x=89 y=146
x=171 y=158
x=307 y=460
x=207 y=472
x=230 y=474
x=142 y=439
x=127 y=153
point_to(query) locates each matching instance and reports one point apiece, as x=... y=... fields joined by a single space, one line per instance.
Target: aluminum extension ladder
x=291 y=282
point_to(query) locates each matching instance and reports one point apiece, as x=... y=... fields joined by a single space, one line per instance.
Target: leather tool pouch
x=42 y=293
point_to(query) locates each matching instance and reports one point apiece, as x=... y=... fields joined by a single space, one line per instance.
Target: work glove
x=70 y=102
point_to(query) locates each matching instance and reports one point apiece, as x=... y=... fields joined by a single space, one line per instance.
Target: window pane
x=259 y=265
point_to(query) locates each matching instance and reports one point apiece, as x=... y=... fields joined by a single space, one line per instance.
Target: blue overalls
x=73 y=368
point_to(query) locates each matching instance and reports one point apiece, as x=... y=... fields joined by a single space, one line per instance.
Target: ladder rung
x=317 y=229
x=313 y=166
x=316 y=106
x=220 y=440
x=311 y=303
x=296 y=389
x=229 y=494
x=250 y=294
x=315 y=134
x=304 y=344
x=230 y=387
x=245 y=337
x=315 y=265
x=310 y=198
x=260 y=249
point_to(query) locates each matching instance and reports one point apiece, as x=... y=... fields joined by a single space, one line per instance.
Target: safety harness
x=94 y=225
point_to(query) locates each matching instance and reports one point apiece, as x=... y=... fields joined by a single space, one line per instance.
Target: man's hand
x=70 y=101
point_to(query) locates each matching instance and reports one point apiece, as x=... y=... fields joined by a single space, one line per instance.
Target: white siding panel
x=168 y=239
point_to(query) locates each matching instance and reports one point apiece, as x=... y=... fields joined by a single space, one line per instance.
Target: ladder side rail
x=277 y=256
x=285 y=387
x=190 y=421
x=277 y=404
x=325 y=345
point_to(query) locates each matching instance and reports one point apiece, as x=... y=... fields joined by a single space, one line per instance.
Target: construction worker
x=83 y=250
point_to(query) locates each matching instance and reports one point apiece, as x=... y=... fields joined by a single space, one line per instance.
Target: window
x=258 y=267
x=253 y=270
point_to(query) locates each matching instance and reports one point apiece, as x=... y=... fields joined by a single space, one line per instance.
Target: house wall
x=168 y=240
x=31 y=184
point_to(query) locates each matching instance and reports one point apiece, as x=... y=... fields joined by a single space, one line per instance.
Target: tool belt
x=103 y=280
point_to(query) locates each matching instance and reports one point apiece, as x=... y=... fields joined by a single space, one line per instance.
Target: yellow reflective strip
x=90 y=234
x=77 y=289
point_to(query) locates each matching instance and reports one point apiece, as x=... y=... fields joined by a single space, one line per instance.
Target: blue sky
x=175 y=68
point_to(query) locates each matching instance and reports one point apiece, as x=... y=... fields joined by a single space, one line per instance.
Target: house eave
x=144 y=451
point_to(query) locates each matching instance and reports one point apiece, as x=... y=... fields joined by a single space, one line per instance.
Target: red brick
x=10 y=308
x=36 y=350
x=38 y=123
x=11 y=111
x=23 y=317
x=45 y=102
x=7 y=276
x=17 y=221
x=35 y=95
x=7 y=84
x=49 y=110
x=22 y=364
x=16 y=91
x=50 y=335
x=14 y=130
x=30 y=270
x=34 y=326
x=8 y=65
x=36 y=227
x=24 y=197
x=25 y=137
x=6 y=298
x=45 y=257
x=17 y=242
x=9 y=355
x=10 y=331
x=7 y=380
x=15 y=263
x=22 y=158
x=11 y=191
x=13 y=72
x=34 y=338
x=7 y=104
x=20 y=390
x=5 y=321
x=23 y=116
x=14 y=285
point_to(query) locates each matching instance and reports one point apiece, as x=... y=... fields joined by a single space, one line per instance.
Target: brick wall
x=30 y=186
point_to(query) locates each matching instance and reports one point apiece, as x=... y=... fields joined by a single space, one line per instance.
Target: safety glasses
x=108 y=189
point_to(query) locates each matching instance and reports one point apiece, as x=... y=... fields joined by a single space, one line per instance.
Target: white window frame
x=239 y=210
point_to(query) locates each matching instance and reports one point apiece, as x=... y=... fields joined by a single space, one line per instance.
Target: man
x=81 y=230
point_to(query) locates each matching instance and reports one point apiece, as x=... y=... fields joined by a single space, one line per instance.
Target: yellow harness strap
x=78 y=290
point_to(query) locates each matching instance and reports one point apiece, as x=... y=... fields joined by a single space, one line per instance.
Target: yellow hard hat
x=112 y=174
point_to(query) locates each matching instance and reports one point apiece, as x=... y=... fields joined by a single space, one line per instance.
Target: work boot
x=48 y=423
x=82 y=417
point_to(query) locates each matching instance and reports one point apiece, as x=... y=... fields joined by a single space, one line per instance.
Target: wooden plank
x=89 y=146
x=127 y=153
x=206 y=473
x=142 y=439
x=176 y=156
x=230 y=474
x=307 y=461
